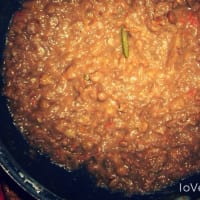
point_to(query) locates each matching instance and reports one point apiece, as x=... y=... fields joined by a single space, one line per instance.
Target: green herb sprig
x=124 y=40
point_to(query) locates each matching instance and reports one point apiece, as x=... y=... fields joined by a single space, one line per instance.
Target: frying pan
x=36 y=174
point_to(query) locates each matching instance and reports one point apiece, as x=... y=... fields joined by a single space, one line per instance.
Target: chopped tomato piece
x=109 y=124
x=20 y=15
x=192 y=92
x=193 y=19
x=190 y=19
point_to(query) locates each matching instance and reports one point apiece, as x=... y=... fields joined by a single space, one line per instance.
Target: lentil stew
x=113 y=85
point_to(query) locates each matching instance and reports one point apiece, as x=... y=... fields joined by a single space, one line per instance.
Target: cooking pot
x=41 y=178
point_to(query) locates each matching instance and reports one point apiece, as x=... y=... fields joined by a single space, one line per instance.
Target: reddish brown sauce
x=133 y=120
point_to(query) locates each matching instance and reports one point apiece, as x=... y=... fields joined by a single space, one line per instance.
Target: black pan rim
x=22 y=179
